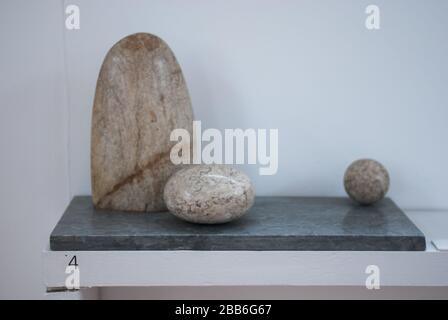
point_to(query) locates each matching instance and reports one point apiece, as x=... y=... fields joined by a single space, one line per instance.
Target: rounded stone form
x=366 y=181
x=209 y=194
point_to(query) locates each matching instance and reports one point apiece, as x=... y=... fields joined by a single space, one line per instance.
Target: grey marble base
x=273 y=223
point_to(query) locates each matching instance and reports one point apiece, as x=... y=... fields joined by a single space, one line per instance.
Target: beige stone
x=209 y=194
x=141 y=96
x=366 y=181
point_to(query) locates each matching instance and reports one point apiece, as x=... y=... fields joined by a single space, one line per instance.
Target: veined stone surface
x=209 y=194
x=141 y=96
x=366 y=181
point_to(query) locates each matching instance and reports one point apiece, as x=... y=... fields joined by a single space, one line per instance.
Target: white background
x=335 y=90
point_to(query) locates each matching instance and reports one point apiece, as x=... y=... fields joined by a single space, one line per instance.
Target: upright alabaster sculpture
x=141 y=96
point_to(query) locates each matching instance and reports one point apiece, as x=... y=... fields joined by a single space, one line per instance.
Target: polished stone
x=209 y=194
x=273 y=223
x=141 y=96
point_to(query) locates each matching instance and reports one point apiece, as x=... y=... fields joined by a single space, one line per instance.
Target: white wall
x=33 y=140
x=334 y=90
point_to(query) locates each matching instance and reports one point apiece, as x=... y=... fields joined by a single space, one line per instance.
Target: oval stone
x=209 y=194
x=140 y=97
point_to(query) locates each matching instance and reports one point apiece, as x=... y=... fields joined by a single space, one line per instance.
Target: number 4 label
x=73 y=262
x=72 y=281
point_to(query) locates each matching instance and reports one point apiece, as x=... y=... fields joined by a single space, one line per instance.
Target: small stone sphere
x=366 y=181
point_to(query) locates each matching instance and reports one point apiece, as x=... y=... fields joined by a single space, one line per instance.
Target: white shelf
x=248 y=268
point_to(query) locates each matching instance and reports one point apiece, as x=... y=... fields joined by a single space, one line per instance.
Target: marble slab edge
x=239 y=243
x=82 y=228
